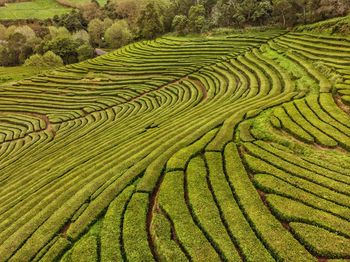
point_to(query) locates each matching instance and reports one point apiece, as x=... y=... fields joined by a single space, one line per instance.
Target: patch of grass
x=39 y=9
x=334 y=26
x=11 y=74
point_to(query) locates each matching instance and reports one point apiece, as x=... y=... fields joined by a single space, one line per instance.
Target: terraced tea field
x=204 y=149
x=15 y=73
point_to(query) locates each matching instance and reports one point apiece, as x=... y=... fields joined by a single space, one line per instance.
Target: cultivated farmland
x=205 y=149
x=78 y=3
x=39 y=9
x=9 y=74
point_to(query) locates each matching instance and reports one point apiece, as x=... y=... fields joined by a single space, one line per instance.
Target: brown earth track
x=341 y=105
x=64 y=229
x=49 y=126
x=202 y=87
x=262 y=194
x=174 y=236
x=153 y=207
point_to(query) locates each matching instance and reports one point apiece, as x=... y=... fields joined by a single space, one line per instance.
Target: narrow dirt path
x=202 y=88
x=341 y=105
x=48 y=125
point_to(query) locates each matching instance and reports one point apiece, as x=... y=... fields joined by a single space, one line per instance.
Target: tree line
x=72 y=37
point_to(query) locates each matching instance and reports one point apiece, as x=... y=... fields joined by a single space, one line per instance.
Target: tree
x=2 y=32
x=17 y=45
x=223 y=12
x=91 y=11
x=150 y=22
x=73 y=21
x=303 y=6
x=208 y=5
x=331 y=8
x=58 y=32
x=41 y=31
x=10 y=53
x=118 y=34
x=17 y=49
x=52 y=60
x=216 y=14
x=179 y=24
x=166 y=13
x=246 y=9
x=8 y=57
x=49 y=59
x=26 y=31
x=132 y=10
x=65 y=47
x=10 y=30
x=85 y=51
x=107 y=23
x=183 y=6
x=96 y=31
x=262 y=11
x=196 y=17
x=3 y=55
x=127 y=9
x=81 y=36
x=34 y=60
x=282 y=7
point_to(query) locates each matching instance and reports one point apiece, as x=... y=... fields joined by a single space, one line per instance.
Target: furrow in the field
x=205 y=211
x=294 y=211
x=275 y=237
x=292 y=158
x=172 y=200
x=341 y=138
x=304 y=123
x=244 y=237
x=321 y=242
x=325 y=179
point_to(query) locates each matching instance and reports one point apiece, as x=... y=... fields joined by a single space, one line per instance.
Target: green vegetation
x=231 y=147
x=336 y=26
x=10 y=74
x=102 y=2
x=40 y=9
x=49 y=59
x=83 y=27
x=317 y=240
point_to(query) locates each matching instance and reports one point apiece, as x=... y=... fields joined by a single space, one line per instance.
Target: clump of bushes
x=49 y=59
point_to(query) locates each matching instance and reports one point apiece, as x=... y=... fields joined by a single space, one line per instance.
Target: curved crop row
x=228 y=148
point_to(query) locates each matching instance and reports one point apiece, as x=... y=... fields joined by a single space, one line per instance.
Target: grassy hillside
x=10 y=74
x=40 y=9
x=102 y=2
x=338 y=25
x=206 y=149
x=77 y=3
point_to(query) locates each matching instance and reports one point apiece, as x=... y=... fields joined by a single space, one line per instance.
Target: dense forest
x=72 y=37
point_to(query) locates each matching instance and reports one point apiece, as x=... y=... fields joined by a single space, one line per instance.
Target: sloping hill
x=39 y=9
x=79 y=3
x=10 y=74
x=204 y=149
x=338 y=25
